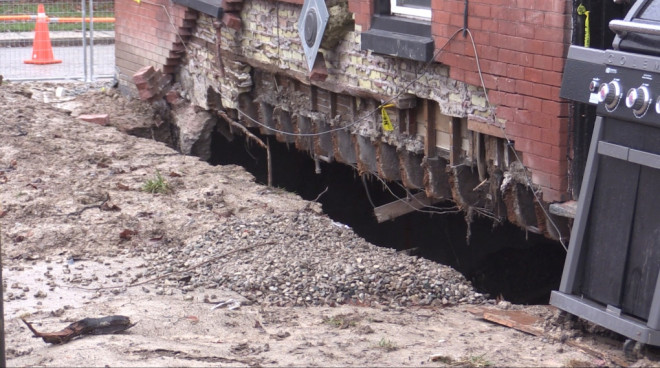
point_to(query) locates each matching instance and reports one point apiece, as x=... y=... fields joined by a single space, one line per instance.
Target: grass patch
x=476 y=361
x=387 y=344
x=156 y=185
x=341 y=321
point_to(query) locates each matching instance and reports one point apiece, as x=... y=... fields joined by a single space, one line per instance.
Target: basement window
x=400 y=28
x=415 y=8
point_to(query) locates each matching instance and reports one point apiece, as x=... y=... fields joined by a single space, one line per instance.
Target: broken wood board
x=525 y=322
x=398 y=208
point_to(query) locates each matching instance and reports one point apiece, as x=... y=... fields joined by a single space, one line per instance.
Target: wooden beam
x=406 y=101
x=333 y=105
x=456 y=142
x=315 y=98
x=484 y=127
x=480 y=153
x=412 y=121
x=430 y=146
x=395 y=209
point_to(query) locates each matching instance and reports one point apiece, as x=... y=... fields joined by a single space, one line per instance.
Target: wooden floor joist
x=398 y=208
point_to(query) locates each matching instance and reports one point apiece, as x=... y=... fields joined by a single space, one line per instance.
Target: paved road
x=12 y=66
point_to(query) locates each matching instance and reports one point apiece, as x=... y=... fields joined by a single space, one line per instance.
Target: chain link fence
x=54 y=39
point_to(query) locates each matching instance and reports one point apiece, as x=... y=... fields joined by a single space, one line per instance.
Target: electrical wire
x=510 y=144
x=403 y=90
x=410 y=197
x=423 y=71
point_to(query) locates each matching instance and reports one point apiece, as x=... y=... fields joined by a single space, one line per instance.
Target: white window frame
x=409 y=11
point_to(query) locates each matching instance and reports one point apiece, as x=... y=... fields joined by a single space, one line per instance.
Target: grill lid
x=639 y=31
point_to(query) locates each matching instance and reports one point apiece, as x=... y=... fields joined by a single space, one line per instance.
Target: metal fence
x=54 y=39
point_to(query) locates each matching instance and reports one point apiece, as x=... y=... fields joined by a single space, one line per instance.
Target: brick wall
x=150 y=33
x=521 y=45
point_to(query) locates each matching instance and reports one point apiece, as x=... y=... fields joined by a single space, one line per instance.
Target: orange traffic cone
x=42 y=50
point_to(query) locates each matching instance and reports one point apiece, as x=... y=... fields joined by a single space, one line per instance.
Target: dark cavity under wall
x=501 y=260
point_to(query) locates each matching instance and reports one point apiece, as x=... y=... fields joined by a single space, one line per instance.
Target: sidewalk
x=63 y=38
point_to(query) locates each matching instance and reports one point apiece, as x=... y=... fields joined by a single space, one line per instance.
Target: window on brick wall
x=416 y=8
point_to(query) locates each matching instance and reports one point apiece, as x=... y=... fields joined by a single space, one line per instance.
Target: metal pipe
x=621 y=26
x=91 y=39
x=84 y=38
x=9 y=18
x=465 y=19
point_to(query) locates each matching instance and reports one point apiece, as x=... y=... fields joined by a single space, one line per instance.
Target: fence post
x=84 y=39
x=91 y=39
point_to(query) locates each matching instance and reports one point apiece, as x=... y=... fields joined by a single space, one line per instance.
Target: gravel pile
x=305 y=259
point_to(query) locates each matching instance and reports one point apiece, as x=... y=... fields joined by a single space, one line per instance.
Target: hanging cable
x=510 y=144
x=402 y=91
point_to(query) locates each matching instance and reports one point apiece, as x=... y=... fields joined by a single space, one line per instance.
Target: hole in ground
x=500 y=260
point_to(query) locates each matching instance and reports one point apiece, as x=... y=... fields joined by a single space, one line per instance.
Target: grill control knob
x=638 y=99
x=657 y=105
x=610 y=94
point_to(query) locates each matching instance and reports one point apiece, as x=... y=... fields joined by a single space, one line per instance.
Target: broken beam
x=398 y=208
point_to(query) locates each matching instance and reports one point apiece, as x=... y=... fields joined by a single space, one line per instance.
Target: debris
x=127 y=234
x=87 y=326
x=109 y=206
x=100 y=119
x=231 y=304
x=441 y=358
x=516 y=319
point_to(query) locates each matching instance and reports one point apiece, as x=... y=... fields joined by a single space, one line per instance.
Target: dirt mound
x=96 y=222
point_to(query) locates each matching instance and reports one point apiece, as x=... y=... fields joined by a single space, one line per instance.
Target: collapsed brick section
x=150 y=33
x=252 y=60
x=151 y=83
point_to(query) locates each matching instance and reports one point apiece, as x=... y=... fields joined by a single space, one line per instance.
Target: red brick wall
x=521 y=46
x=144 y=35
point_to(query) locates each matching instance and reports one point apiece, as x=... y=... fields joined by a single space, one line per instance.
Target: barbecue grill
x=611 y=273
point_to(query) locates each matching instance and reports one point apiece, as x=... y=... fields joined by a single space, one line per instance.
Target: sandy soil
x=69 y=191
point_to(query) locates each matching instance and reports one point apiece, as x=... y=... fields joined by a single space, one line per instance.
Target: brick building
x=451 y=139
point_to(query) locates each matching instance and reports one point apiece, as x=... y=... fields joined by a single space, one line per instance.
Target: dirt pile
x=213 y=268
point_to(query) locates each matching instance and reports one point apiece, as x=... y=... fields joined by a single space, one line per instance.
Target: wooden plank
x=480 y=153
x=484 y=127
x=406 y=101
x=395 y=209
x=524 y=322
x=430 y=148
x=456 y=142
x=565 y=209
x=412 y=121
x=515 y=319
x=315 y=98
x=333 y=105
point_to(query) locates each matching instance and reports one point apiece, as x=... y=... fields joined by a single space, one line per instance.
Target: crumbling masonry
x=246 y=64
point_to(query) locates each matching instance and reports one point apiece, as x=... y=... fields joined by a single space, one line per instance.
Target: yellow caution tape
x=387 y=123
x=582 y=10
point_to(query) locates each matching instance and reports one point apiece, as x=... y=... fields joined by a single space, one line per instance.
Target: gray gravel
x=305 y=259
